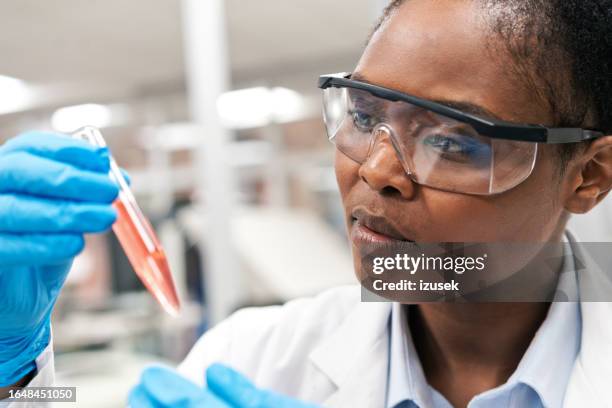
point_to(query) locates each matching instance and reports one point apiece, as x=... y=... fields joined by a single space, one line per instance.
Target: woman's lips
x=362 y=234
x=368 y=227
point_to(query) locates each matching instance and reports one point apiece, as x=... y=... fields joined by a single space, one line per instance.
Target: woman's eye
x=457 y=146
x=444 y=144
x=363 y=121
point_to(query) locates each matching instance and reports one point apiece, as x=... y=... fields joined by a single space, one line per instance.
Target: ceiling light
x=71 y=118
x=255 y=107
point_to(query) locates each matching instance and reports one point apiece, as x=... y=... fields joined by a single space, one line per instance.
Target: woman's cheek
x=453 y=217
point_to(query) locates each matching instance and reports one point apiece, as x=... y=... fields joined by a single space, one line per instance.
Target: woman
x=408 y=171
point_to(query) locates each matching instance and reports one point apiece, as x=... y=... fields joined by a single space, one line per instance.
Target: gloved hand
x=162 y=387
x=52 y=191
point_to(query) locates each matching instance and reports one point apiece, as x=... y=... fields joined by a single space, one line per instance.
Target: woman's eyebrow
x=463 y=106
x=468 y=107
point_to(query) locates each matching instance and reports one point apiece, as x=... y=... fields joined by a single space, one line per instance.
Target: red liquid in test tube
x=147 y=258
x=137 y=237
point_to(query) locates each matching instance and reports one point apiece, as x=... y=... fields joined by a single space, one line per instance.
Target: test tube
x=136 y=236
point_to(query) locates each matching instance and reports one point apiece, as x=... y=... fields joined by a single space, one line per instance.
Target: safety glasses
x=438 y=146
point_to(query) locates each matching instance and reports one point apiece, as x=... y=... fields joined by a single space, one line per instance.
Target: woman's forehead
x=444 y=50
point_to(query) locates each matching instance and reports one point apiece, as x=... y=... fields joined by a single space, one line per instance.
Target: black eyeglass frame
x=492 y=128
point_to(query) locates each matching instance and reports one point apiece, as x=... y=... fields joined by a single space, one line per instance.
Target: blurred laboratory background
x=213 y=109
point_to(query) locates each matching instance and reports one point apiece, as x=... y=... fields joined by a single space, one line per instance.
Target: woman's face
x=443 y=50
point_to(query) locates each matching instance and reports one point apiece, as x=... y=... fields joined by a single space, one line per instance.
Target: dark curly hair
x=569 y=69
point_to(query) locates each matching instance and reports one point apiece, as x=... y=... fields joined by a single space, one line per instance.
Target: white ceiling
x=112 y=49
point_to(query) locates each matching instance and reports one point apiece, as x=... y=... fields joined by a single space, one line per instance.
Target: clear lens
x=435 y=151
x=334 y=109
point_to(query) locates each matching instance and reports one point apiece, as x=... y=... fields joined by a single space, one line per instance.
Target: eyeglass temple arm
x=570 y=135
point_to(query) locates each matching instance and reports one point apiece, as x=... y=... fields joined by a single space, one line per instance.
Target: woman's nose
x=383 y=170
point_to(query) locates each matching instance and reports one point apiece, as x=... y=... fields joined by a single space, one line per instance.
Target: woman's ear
x=590 y=178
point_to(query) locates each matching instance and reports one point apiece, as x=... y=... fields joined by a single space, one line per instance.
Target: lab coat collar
x=590 y=380
x=355 y=357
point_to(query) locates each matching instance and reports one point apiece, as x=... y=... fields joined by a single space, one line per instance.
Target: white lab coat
x=333 y=349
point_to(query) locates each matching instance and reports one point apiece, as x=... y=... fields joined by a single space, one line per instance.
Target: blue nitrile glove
x=162 y=387
x=53 y=189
